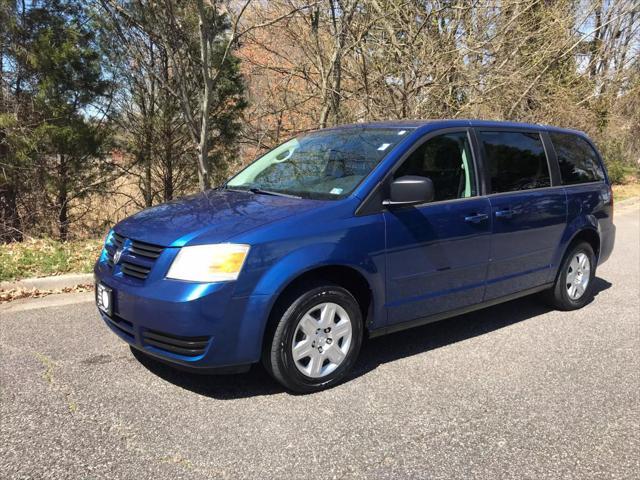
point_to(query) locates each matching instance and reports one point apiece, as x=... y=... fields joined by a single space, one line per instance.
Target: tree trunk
x=331 y=110
x=203 y=145
x=63 y=217
x=148 y=195
x=62 y=200
x=340 y=22
x=167 y=131
x=596 y=42
x=203 y=174
x=9 y=216
x=167 y=177
x=149 y=134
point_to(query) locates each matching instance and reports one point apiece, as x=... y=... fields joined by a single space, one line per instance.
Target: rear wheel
x=316 y=339
x=574 y=285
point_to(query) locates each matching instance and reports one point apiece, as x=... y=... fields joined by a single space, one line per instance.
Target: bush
x=617 y=172
x=618 y=162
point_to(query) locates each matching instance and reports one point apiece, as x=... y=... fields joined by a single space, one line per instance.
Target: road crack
x=49 y=376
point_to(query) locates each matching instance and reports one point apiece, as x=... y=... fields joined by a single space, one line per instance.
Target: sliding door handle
x=505 y=213
x=476 y=218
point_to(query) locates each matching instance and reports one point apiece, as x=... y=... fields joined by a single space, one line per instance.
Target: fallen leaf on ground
x=18 y=293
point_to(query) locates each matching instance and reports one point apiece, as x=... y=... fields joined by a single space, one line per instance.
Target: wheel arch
x=346 y=276
x=587 y=234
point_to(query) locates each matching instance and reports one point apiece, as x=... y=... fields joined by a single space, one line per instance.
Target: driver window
x=447 y=161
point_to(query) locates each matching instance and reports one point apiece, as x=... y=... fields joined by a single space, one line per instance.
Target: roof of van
x=455 y=123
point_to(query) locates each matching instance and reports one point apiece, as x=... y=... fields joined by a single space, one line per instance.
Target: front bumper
x=190 y=325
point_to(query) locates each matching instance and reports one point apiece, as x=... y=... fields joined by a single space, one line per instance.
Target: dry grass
x=42 y=257
x=628 y=190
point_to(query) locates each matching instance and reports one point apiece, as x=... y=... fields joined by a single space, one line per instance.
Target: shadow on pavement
x=374 y=352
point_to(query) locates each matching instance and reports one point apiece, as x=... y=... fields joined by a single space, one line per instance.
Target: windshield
x=326 y=164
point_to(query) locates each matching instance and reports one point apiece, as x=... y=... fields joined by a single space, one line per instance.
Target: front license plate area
x=104 y=299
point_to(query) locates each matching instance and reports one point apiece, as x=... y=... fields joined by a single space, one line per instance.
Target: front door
x=437 y=253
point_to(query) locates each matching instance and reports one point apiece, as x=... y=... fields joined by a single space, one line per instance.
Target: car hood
x=209 y=217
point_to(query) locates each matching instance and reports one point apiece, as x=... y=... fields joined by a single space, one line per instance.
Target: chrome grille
x=134 y=270
x=145 y=249
x=138 y=259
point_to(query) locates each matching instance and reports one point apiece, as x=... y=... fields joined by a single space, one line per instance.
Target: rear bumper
x=202 y=327
x=607 y=241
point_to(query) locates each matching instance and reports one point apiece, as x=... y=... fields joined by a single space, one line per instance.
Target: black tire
x=277 y=356
x=558 y=296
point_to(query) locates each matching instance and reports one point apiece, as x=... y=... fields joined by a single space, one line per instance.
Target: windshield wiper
x=232 y=189
x=260 y=191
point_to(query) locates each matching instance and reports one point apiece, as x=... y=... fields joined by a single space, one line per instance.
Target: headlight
x=209 y=263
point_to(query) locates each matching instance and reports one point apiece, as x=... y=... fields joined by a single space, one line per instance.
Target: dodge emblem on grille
x=117 y=255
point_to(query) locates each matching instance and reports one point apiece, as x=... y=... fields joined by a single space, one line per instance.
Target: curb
x=49 y=283
x=57 y=300
x=627 y=202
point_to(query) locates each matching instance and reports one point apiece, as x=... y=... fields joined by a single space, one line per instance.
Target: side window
x=447 y=161
x=577 y=160
x=516 y=161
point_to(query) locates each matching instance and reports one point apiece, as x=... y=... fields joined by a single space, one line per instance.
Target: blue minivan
x=357 y=230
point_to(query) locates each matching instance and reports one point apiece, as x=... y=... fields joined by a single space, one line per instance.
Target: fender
x=313 y=256
x=578 y=225
x=310 y=257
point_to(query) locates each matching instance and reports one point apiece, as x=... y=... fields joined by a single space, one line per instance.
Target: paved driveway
x=514 y=391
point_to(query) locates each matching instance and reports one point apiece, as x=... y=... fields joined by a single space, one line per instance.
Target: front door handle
x=508 y=213
x=476 y=218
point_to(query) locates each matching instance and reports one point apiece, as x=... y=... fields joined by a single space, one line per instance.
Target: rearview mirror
x=409 y=190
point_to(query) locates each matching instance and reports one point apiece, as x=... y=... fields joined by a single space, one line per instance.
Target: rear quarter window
x=577 y=159
x=516 y=161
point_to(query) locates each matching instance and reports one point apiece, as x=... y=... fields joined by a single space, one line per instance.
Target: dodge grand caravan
x=357 y=230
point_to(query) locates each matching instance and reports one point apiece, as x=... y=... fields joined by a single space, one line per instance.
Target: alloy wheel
x=321 y=340
x=578 y=276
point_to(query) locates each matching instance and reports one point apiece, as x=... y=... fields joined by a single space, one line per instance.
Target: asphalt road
x=515 y=391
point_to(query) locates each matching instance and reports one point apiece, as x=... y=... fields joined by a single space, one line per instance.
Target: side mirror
x=409 y=190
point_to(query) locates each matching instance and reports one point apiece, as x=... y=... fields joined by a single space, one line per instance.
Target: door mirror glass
x=410 y=189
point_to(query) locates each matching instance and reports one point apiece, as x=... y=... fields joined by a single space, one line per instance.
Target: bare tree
x=198 y=39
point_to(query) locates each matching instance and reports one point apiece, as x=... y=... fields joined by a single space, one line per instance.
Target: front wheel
x=316 y=339
x=574 y=285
